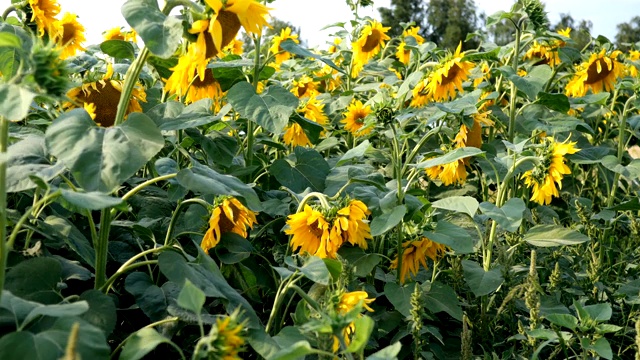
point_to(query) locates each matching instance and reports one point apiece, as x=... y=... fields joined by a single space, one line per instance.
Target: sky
x=312 y=15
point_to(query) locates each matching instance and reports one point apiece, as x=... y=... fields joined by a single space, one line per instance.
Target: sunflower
x=69 y=35
x=281 y=55
x=599 y=74
x=547 y=53
x=310 y=234
x=234 y=47
x=228 y=215
x=415 y=253
x=420 y=95
x=44 y=14
x=116 y=33
x=348 y=302
x=230 y=15
x=335 y=46
x=350 y=224
x=304 y=86
x=368 y=45
x=549 y=173
x=354 y=118
x=403 y=54
x=473 y=137
x=225 y=340
x=634 y=55
x=311 y=109
x=105 y=95
x=328 y=79
x=442 y=82
x=453 y=173
x=191 y=78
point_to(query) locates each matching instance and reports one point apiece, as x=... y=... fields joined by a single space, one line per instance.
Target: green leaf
x=362 y=263
x=194 y=115
x=141 y=343
x=532 y=83
x=62 y=228
x=161 y=34
x=296 y=351
x=453 y=236
x=509 y=216
x=219 y=147
x=25 y=345
x=102 y=159
x=355 y=153
x=631 y=171
x=102 y=310
x=488 y=55
x=557 y=102
x=57 y=310
x=15 y=101
x=553 y=235
x=400 y=296
x=271 y=109
x=461 y=204
x=389 y=353
x=590 y=155
x=191 y=298
x=10 y=40
x=119 y=49
x=310 y=170
x=455 y=155
x=596 y=312
x=442 y=297
x=602 y=348
x=91 y=343
x=364 y=327
x=311 y=128
x=292 y=47
x=151 y=299
x=35 y=279
x=205 y=180
x=233 y=248
x=564 y=320
x=17 y=309
x=479 y=281
x=314 y=269
x=90 y=200
x=27 y=158
x=387 y=221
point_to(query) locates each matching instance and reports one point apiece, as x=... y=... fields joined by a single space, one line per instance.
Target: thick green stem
x=621 y=148
x=128 y=265
x=102 y=248
x=130 y=80
x=250 y=123
x=26 y=215
x=4 y=248
x=514 y=90
x=398 y=169
x=174 y=216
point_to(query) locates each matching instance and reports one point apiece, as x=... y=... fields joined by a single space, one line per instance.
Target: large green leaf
x=457 y=154
x=141 y=343
x=364 y=327
x=313 y=268
x=462 y=204
x=220 y=148
x=102 y=310
x=191 y=298
x=553 y=235
x=119 y=49
x=27 y=158
x=92 y=200
x=62 y=228
x=35 y=279
x=532 y=83
x=479 y=281
x=453 y=236
x=442 y=297
x=509 y=216
x=152 y=299
x=205 y=180
x=271 y=109
x=161 y=34
x=400 y=296
x=15 y=101
x=385 y=222
x=310 y=170
x=102 y=159
x=292 y=47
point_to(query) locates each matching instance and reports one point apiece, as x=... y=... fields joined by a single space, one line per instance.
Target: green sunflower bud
x=385 y=114
x=537 y=15
x=49 y=70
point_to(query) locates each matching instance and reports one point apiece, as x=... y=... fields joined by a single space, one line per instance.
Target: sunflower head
x=415 y=254
x=310 y=233
x=350 y=223
x=280 y=54
x=354 y=118
x=50 y=70
x=227 y=215
x=372 y=38
x=224 y=341
x=69 y=35
x=599 y=73
x=448 y=76
x=43 y=13
x=116 y=33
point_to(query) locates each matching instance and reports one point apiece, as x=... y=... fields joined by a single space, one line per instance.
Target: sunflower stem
x=131 y=78
x=4 y=246
x=256 y=81
x=514 y=90
x=27 y=214
x=174 y=216
x=398 y=169
x=102 y=248
x=621 y=145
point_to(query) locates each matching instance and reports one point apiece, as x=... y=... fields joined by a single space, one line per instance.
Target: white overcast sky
x=312 y=15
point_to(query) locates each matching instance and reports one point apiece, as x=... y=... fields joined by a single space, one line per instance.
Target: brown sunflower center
x=226 y=225
x=206 y=82
x=230 y=26
x=316 y=230
x=373 y=40
x=302 y=89
x=68 y=33
x=452 y=74
x=358 y=117
x=105 y=98
x=593 y=76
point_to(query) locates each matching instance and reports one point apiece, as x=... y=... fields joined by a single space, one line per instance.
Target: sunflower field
x=174 y=193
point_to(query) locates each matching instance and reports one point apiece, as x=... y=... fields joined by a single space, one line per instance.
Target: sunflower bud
x=537 y=15
x=49 y=71
x=385 y=114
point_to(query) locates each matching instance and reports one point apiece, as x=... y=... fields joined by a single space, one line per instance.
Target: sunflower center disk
x=230 y=26
x=593 y=76
x=451 y=75
x=105 y=98
x=373 y=40
x=206 y=82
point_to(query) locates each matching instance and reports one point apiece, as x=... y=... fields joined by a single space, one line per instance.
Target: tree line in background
x=447 y=22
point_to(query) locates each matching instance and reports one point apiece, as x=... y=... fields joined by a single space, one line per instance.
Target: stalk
x=250 y=124
x=514 y=90
x=4 y=246
x=621 y=145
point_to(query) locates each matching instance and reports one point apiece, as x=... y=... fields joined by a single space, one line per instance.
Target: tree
x=403 y=11
x=628 y=33
x=444 y=22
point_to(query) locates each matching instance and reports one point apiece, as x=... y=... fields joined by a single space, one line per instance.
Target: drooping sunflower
x=226 y=340
x=420 y=94
x=234 y=47
x=230 y=15
x=372 y=39
x=634 y=55
x=69 y=35
x=543 y=178
x=350 y=224
x=348 y=302
x=547 y=53
x=415 y=253
x=328 y=79
x=281 y=55
x=228 y=215
x=105 y=95
x=310 y=234
x=599 y=73
x=116 y=33
x=403 y=54
x=294 y=136
x=443 y=81
x=354 y=118
x=44 y=14
x=304 y=86
x=312 y=109
x=473 y=137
